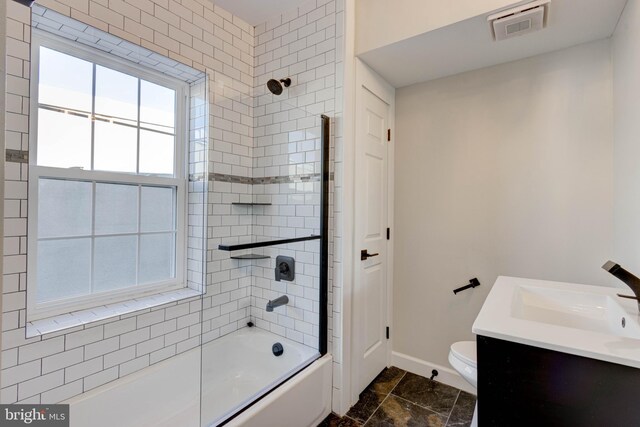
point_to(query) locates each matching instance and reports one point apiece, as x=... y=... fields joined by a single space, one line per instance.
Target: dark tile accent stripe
x=287 y=179
x=17 y=156
x=236 y=179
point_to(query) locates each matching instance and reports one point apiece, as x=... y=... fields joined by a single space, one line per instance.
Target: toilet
x=462 y=356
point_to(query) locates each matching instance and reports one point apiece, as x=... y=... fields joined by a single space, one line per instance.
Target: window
x=106 y=180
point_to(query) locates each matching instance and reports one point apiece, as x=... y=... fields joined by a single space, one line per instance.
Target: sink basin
x=584 y=320
x=573 y=309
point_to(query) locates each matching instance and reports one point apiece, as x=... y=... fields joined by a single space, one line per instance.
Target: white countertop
x=501 y=317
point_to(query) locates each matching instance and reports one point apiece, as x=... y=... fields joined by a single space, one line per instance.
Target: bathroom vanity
x=557 y=354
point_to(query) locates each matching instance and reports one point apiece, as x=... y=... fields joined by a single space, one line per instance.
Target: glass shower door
x=264 y=313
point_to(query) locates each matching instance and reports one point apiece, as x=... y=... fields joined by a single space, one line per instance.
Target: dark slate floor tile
x=335 y=421
x=366 y=406
x=462 y=412
x=387 y=380
x=397 y=412
x=428 y=393
x=349 y=422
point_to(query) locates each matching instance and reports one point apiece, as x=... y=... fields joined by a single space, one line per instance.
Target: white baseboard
x=422 y=367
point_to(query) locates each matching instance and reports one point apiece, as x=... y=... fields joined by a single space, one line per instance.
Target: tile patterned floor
x=399 y=398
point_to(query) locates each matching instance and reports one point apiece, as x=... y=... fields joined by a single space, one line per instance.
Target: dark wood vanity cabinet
x=521 y=385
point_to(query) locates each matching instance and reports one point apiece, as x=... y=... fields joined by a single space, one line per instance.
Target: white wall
x=626 y=95
x=501 y=171
x=383 y=22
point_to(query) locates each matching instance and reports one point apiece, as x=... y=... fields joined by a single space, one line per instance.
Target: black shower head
x=275 y=86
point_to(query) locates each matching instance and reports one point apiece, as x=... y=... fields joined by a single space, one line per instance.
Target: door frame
x=365 y=77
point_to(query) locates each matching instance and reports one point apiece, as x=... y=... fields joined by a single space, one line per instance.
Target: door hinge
x=388 y=233
x=388 y=134
x=387 y=332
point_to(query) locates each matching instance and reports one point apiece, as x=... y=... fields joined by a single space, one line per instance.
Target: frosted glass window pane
x=157 y=257
x=156 y=153
x=116 y=208
x=65 y=81
x=64 y=208
x=64 y=140
x=114 y=263
x=115 y=147
x=64 y=269
x=116 y=94
x=157 y=107
x=158 y=208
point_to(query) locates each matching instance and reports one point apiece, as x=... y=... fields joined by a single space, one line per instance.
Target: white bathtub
x=168 y=394
x=239 y=367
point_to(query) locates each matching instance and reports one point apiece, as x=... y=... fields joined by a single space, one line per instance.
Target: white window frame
x=37 y=311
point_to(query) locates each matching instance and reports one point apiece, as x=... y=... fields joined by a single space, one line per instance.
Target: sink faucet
x=629 y=279
x=277 y=302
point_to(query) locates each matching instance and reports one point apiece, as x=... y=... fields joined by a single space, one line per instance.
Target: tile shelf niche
x=266 y=243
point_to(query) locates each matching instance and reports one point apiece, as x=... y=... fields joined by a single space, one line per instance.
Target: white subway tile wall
x=267 y=136
x=250 y=134
x=336 y=220
x=56 y=366
x=198 y=184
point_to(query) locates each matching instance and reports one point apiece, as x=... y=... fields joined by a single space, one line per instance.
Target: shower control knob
x=285 y=268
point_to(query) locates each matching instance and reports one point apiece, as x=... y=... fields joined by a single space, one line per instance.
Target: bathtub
x=236 y=368
x=239 y=367
x=166 y=394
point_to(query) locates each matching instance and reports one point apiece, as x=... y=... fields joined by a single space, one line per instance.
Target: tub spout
x=277 y=302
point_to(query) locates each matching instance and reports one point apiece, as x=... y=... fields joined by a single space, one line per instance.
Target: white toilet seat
x=466 y=352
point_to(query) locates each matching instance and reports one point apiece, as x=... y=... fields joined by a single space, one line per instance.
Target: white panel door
x=371 y=221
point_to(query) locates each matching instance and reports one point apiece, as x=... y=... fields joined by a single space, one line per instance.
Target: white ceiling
x=468 y=45
x=256 y=12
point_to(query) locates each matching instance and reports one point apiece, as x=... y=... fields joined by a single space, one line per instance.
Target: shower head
x=275 y=86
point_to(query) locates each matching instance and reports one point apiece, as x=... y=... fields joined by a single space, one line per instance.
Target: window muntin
x=106 y=189
x=131 y=126
x=115 y=223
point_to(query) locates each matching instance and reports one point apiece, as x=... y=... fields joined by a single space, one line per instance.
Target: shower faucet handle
x=283 y=267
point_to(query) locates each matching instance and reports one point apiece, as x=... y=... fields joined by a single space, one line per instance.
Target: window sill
x=79 y=318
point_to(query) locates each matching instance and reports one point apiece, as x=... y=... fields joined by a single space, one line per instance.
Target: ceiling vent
x=520 y=20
